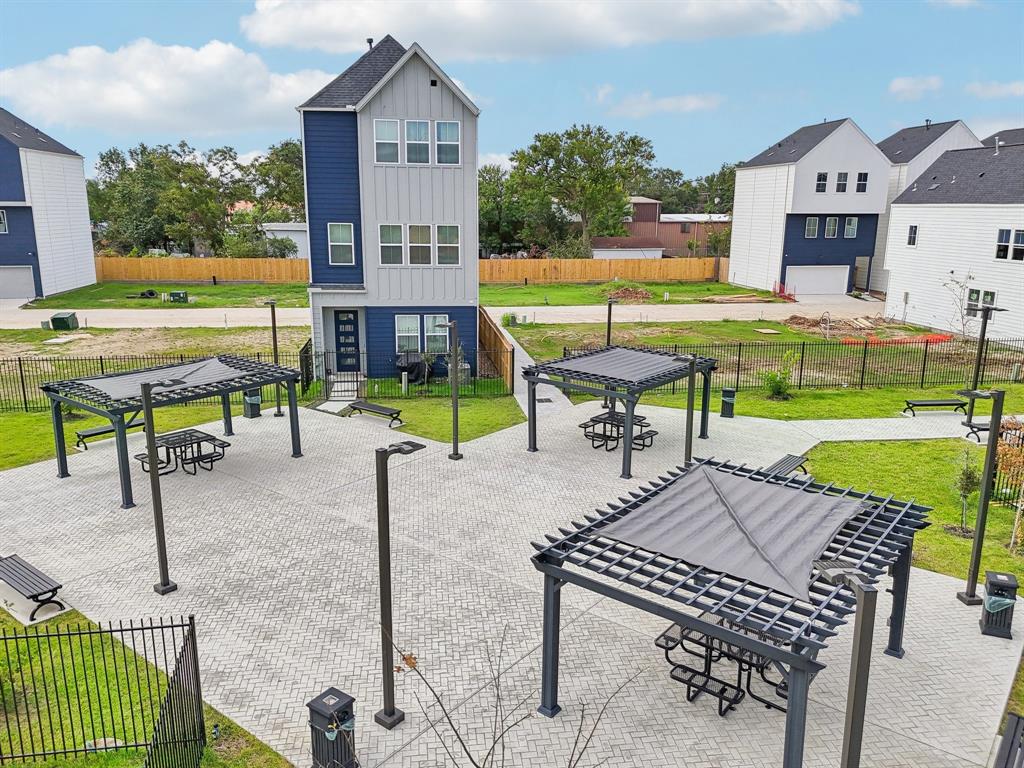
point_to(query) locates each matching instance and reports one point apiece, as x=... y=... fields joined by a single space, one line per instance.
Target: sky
x=707 y=82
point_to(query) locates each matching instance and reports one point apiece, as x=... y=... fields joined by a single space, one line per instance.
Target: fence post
x=24 y=389
x=984 y=363
x=800 y=376
x=924 y=363
x=739 y=358
x=102 y=369
x=863 y=363
x=675 y=351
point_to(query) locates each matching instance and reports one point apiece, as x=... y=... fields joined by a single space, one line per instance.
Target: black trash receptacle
x=332 y=730
x=251 y=401
x=997 y=610
x=728 y=402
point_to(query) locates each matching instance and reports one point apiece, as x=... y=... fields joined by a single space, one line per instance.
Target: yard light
x=389 y=716
x=608 y=324
x=986 y=312
x=272 y=303
x=165 y=585
x=454 y=361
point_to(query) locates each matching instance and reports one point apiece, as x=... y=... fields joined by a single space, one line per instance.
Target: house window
x=821 y=185
x=447 y=143
x=862 y=182
x=447 y=244
x=1003 y=244
x=831 y=227
x=850 y=230
x=977 y=298
x=419 y=244
x=811 y=227
x=391 y=244
x=417 y=141
x=685 y=227
x=385 y=141
x=912 y=236
x=435 y=337
x=841 y=181
x=3 y=222
x=1018 y=245
x=339 y=244
x=407 y=333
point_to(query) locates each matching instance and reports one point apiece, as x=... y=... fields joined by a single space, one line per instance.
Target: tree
x=501 y=212
x=967 y=482
x=676 y=193
x=1010 y=461
x=246 y=239
x=276 y=179
x=719 y=186
x=718 y=241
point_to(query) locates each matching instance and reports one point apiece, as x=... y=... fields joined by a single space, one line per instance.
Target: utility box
x=179 y=297
x=252 y=399
x=997 y=609
x=728 y=402
x=332 y=730
x=64 y=321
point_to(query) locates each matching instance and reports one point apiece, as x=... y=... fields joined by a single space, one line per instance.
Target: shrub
x=778 y=382
x=508 y=319
x=571 y=247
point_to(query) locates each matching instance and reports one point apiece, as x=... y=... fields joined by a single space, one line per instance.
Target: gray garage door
x=16 y=283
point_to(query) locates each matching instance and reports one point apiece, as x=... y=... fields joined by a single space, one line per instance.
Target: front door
x=346 y=336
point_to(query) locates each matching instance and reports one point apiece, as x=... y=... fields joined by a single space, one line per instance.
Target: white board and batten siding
x=953 y=241
x=846 y=149
x=760 y=205
x=419 y=194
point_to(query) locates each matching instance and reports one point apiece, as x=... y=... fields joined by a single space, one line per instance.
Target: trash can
x=997 y=609
x=728 y=402
x=64 y=321
x=252 y=399
x=332 y=730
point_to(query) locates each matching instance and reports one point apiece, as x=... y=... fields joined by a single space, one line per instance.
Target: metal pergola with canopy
x=117 y=395
x=622 y=373
x=758 y=555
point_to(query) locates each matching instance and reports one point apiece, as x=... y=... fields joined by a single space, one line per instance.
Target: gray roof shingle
x=21 y=134
x=348 y=88
x=978 y=176
x=796 y=145
x=1009 y=136
x=907 y=143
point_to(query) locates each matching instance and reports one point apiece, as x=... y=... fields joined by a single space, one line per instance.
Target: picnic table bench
x=1011 y=747
x=788 y=463
x=189 y=449
x=362 y=406
x=952 y=402
x=30 y=582
x=83 y=434
x=606 y=429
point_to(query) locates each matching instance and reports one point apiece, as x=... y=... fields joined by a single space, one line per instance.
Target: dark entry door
x=346 y=333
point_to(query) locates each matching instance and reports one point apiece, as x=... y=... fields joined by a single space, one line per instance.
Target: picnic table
x=605 y=430
x=189 y=449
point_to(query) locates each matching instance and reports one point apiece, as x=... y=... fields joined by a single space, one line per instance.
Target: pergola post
x=549 y=662
x=293 y=419
x=900 y=586
x=627 y=447
x=860 y=669
x=796 y=718
x=58 y=438
x=225 y=409
x=705 y=405
x=691 y=383
x=123 y=468
x=531 y=416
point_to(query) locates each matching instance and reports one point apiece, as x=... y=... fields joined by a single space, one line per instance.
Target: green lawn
x=478 y=416
x=576 y=294
x=205 y=295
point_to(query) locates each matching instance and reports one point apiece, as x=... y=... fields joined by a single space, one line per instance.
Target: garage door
x=16 y=283
x=805 y=281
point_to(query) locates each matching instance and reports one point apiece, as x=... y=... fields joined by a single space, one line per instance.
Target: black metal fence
x=83 y=689
x=1009 y=483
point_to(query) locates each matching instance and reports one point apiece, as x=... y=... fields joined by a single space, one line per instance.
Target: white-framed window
x=978 y=298
x=340 y=250
x=1018 y=245
x=391 y=245
x=407 y=333
x=862 y=181
x=850 y=228
x=448 y=149
x=435 y=338
x=420 y=244
x=831 y=227
x=811 y=227
x=1003 y=244
x=385 y=141
x=912 y=236
x=841 y=178
x=447 y=244
x=821 y=185
x=417 y=142
x=3 y=222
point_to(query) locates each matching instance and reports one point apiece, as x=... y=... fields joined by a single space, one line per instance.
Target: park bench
x=1011 y=747
x=785 y=465
x=952 y=402
x=698 y=682
x=362 y=406
x=645 y=439
x=30 y=583
x=135 y=421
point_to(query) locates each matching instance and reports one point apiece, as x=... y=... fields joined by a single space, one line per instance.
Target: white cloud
x=496 y=158
x=984 y=127
x=603 y=93
x=499 y=29
x=248 y=157
x=994 y=90
x=144 y=86
x=956 y=3
x=913 y=88
x=644 y=104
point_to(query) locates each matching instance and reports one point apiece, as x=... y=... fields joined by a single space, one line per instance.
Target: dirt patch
x=860 y=327
x=631 y=295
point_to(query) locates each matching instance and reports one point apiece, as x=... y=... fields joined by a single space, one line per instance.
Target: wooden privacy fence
x=599 y=270
x=491 y=338
x=171 y=270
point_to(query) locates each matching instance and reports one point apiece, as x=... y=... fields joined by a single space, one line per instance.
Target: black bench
x=952 y=402
x=645 y=439
x=785 y=465
x=697 y=682
x=1011 y=747
x=362 y=406
x=82 y=434
x=30 y=582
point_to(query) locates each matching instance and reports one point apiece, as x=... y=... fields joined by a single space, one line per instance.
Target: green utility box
x=179 y=297
x=64 y=321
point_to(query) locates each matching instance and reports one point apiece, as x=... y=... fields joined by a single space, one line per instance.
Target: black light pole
x=453 y=381
x=986 y=312
x=970 y=595
x=272 y=303
x=165 y=585
x=389 y=716
x=608 y=325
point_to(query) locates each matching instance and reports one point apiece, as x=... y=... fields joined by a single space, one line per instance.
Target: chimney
x=997 y=145
x=369 y=41
x=927 y=124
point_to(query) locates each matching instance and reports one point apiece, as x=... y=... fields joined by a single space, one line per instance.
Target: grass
x=478 y=416
x=577 y=294
x=201 y=295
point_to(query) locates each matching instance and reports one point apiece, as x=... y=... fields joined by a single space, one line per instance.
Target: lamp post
x=272 y=303
x=970 y=596
x=454 y=362
x=986 y=312
x=608 y=324
x=389 y=716
x=165 y=585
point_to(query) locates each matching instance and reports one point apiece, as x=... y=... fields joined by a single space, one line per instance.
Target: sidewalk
x=228 y=317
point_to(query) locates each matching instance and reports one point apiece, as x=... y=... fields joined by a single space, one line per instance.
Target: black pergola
x=115 y=395
x=621 y=373
x=790 y=631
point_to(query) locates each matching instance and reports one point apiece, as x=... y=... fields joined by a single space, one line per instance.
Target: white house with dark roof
x=961 y=221
x=45 y=235
x=1008 y=136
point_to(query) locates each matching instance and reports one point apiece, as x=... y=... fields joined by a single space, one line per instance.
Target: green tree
x=716 y=190
x=676 y=193
x=276 y=180
x=501 y=212
x=245 y=237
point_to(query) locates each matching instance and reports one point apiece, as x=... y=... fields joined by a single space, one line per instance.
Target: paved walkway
x=229 y=317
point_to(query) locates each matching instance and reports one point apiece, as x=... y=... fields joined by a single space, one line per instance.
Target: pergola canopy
x=628 y=368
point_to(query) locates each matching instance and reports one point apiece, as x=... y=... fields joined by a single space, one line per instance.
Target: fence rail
x=599 y=270
x=492 y=338
x=168 y=269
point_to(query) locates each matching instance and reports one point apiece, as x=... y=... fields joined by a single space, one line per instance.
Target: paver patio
x=276 y=557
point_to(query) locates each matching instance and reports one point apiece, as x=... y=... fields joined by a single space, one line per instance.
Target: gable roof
x=796 y=145
x=1009 y=136
x=348 y=88
x=907 y=143
x=22 y=135
x=965 y=176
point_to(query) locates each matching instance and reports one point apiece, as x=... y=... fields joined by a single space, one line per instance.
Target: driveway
x=229 y=317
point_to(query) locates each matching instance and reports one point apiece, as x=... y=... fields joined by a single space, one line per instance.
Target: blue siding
x=332 y=184
x=799 y=251
x=12 y=186
x=18 y=246
x=380 y=334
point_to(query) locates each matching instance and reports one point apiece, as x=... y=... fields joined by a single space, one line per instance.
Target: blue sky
x=707 y=82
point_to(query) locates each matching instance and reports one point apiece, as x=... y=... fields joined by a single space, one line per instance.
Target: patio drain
x=543 y=399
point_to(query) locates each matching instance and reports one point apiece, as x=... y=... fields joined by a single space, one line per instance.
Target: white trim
x=857 y=183
x=419 y=332
x=438 y=245
x=845 y=182
x=351 y=244
x=405 y=138
x=15 y=204
x=381 y=245
x=300 y=110
x=431 y=257
x=437 y=143
x=846 y=227
x=4 y=230
x=398 y=140
x=917 y=231
x=835 y=232
x=818 y=180
x=415 y=49
x=807 y=220
x=447 y=333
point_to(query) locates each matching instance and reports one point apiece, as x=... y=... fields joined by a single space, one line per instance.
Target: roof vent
x=981 y=174
x=997 y=145
x=933 y=186
x=369 y=42
x=953 y=180
x=927 y=124
x=898 y=152
x=915 y=187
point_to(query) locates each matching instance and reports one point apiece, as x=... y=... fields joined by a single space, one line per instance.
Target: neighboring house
x=806 y=209
x=910 y=151
x=292 y=230
x=45 y=233
x=626 y=248
x=674 y=230
x=643 y=221
x=390 y=161
x=963 y=221
x=1009 y=136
